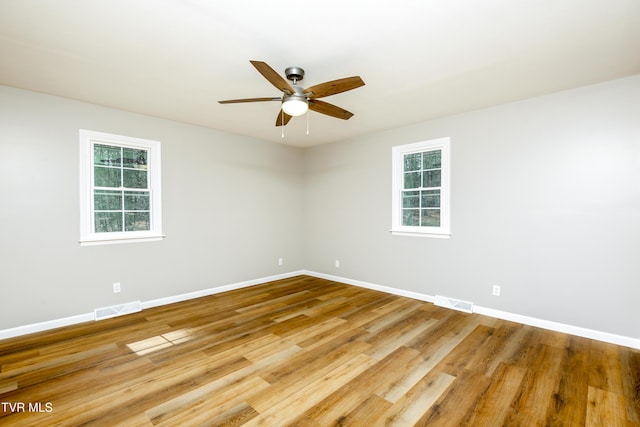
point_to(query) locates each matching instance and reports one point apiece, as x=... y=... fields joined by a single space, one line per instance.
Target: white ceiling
x=420 y=59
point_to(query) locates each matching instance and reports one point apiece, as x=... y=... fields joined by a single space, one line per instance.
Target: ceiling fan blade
x=335 y=86
x=235 y=101
x=329 y=109
x=283 y=118
x=274 y=78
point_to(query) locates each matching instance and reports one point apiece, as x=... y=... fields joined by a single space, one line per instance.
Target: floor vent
x=454 y=304
x=117 y=310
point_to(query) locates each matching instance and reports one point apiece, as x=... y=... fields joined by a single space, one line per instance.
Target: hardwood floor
x=305 y=351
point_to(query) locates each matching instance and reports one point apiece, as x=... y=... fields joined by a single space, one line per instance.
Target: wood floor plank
x=451 y=324
x=7 y=386
x=347 y=333
x=196 y=409
x=306 y=351
x=458 y=401
x=366 y=413
x=311 y=362
x=284 y=412
x=569 y=400
x=407 y=376
x=494 y=406
x=424 y=364
x=530 y=403
x=505 y=340
x=235 y=416
x=455 y=357
x=605 y=409
x=605 y=372
x=376 y=381
x=397 y=333
x=150 y=391
x=318 y=329
x=630 y=367
x=411 y=407
x=364 y=312
x=299 y=376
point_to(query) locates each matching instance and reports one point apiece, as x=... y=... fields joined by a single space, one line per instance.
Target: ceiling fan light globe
x=295 y=107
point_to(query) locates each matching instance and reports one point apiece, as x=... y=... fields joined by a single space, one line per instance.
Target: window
x=120 y=198
x=421 y=188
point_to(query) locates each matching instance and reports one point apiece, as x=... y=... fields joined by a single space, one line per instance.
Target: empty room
x=326 y=213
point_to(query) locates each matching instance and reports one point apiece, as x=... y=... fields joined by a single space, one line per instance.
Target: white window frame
x=397 y=154
x=88 y=236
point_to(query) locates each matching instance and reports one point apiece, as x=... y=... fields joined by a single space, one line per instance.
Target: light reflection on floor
x=160 y=341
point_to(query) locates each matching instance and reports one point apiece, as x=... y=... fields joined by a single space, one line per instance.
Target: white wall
x=545 y=202
x=231 y=209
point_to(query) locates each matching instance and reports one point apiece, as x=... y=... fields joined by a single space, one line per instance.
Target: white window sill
x=420 y=234
x=117 y=240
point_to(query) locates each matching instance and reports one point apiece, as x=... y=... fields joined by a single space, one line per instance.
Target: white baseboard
x=519 y=318
x=560 y=327
x=217 y=290
x=88 y=317
x=44 y=326
x=526 y=320
x=387 y=289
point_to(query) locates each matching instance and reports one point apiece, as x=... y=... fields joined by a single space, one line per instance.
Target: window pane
x=108 y=222
x=410 y=199
x=105 y=200
x=106 y=177
x=412 y=161
x=411 y=217
x=432 y=159
x=431 y=199
x=137 y=221
x=430 y=218
x=134 y=158
x=412 y=179
x=134 y=178
x=136 y=200
x=432 y=178
x=106 y=155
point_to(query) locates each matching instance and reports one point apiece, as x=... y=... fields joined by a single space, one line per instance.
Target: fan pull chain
x=282 y=122
x=307 y=123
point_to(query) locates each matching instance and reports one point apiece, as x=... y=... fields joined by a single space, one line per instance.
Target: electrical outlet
x=280 y=261
x=116 y=287
x=337 y=263
x=496 y=290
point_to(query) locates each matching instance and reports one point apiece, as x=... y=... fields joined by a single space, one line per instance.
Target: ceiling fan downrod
x=295 y=74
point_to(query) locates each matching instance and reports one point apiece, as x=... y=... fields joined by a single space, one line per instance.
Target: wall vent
x=117 y=310
x=453 y=303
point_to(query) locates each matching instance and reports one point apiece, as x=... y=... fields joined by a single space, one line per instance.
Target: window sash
x=119 y=218
x=419 y=185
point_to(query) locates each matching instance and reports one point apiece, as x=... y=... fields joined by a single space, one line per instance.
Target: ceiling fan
x=296 y=100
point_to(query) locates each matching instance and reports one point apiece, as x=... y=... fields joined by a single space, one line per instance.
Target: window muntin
x=120 y=186
x=421 y=188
